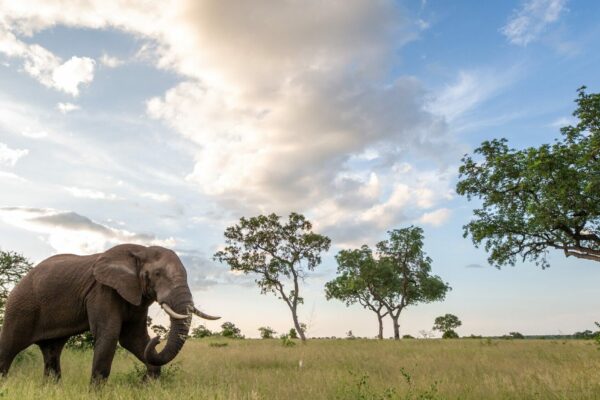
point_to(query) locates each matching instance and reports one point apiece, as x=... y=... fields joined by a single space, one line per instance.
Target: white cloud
x=471 y=88
x=67 y=107
x=160 y=197
x=69 y=232
x=436 y=217
x=90 y=194
x=530 y=21
x=278 y=120
x=10 y=156
x=46 y=67
x=110 y=61
x=562 y=122
x=11 y=176
x=76 y=71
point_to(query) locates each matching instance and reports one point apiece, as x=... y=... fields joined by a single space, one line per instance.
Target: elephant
x=107 y=293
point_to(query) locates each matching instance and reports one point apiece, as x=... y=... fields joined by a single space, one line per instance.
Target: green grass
x=333 y=369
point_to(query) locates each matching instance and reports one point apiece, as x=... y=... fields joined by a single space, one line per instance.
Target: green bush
x=83 y=341
x=450 y=335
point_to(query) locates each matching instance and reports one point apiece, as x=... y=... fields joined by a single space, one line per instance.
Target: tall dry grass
x=333 y=369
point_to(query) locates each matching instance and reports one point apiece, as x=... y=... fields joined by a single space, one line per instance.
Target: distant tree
x=279 y=253
x=266 y=332
x=407 y=337
x=587 y=334
x=538 y=198
x=293 y=334
x=447 y=324
x=160 y=331
x=516 y=335
x=350 y=335
x=200 y=332
x=229 y=330
x=407 y=271
x=426 y=334
x=360 y=280
x=13 y=267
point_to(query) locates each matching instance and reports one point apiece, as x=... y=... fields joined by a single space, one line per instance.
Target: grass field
x=333 y=369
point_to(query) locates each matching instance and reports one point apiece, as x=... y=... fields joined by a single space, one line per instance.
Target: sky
x=162 y=123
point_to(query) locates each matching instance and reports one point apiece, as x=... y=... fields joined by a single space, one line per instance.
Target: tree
x=447 y=324
x=293 y=334
x=200 y=332
x=13 y=267
x=359 y=282
x=231 y=331
x=406 y=271
x=158 y=329
x=279 y=253
x=266 y=332
x=538 y=198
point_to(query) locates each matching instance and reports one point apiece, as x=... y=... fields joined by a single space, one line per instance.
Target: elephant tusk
x=203 y=315
x=172 y=313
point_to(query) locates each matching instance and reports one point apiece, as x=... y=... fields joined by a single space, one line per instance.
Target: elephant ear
x=118 y=268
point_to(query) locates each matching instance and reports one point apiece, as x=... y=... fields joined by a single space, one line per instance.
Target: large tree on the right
x=538 y=198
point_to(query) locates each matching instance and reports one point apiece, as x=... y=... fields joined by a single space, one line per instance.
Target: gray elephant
x=108 y=293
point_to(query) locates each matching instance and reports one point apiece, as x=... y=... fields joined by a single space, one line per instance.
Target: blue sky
x=163 y=123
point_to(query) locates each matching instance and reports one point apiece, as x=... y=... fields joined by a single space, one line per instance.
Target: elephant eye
x=157 y=273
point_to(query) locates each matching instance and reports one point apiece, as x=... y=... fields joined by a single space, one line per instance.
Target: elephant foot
x=152 y=373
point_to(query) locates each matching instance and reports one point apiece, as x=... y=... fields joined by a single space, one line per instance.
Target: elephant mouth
x=193 y=310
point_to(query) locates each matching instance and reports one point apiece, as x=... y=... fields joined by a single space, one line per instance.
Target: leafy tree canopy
x=360 y=279
x=267 y=332
x=13 y=267
x=538 y=198
x=200 y=332
x=231 y=331
x=408 y=269
x=280 y=254
x=446 y=323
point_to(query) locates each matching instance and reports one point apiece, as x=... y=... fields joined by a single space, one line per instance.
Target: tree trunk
x=298 y=327
x=380 y=320
x=396 y=326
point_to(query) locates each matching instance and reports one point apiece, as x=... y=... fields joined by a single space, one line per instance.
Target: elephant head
x=142 y=275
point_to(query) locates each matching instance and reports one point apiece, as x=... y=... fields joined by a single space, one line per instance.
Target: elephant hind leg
x=51 y=350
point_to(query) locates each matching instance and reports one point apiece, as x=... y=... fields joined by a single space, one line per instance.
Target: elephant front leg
x=134 y=338
x=104 y=352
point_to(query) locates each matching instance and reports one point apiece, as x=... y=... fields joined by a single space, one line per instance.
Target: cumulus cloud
x=10 y=156
x=530 y=21
x=279 y=119
x=69 y=232
x=45 y=66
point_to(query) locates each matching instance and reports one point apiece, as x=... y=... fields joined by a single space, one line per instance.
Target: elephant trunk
x=181 y=302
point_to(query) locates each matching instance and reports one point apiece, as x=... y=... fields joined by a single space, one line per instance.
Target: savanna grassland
x=333 y=369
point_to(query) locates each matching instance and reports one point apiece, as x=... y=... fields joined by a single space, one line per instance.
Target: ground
x=333 y=369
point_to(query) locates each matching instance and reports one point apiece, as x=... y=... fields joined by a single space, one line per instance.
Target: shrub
x=83 y=341
x=200 y=332
x=229 y=330
x=450 y=335
x=266 y=332
x=286 y=341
